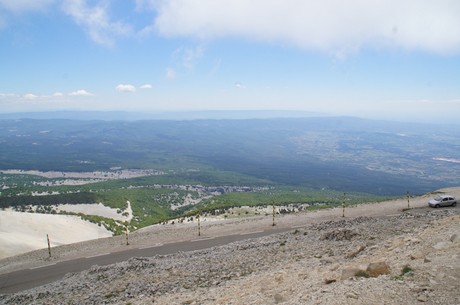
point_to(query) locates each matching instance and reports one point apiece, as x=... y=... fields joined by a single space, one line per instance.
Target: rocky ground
x=409 y=257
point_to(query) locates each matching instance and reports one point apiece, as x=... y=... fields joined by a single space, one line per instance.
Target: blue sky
x=369 y=58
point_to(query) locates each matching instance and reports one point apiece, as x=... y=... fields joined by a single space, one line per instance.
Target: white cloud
x=7 y=95
x=334 y=26
x=125 y=88
x=2 y=22
x=58 y=94
x=216 y=67
x=24 y=5
x=30 y=96
x=81 y=93
x=240 y=85
x=20 y=6
x=184 y=58
x=190 y=55
x=144 y=4
x=171 y=74
x=146 y=86
x=96 y=21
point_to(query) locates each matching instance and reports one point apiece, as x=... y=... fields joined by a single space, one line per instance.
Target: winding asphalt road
x=29 y=278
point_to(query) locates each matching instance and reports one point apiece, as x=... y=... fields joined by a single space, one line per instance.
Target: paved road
x=29 y=278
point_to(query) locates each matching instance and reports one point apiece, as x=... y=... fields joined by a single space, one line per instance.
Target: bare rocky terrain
x=381 y=253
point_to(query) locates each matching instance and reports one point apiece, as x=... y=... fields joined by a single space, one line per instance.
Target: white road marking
x=296 y=227
x=151 y=246
x=96 y=255
x=42 y=266
x=200 y=239
x=254 y=232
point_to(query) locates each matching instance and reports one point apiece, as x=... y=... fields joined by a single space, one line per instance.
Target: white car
x=442 y=201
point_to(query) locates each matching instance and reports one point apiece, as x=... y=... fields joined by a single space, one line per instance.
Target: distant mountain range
x=167 y=115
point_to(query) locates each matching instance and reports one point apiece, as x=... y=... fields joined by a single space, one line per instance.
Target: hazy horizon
x=113 y=115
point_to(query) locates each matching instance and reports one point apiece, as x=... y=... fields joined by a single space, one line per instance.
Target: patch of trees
x=72 y=198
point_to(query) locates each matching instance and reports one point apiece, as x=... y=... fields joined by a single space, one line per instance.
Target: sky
x=387 y=59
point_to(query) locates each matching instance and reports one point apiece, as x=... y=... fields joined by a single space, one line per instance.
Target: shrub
x=362 y=273
x=406 y=269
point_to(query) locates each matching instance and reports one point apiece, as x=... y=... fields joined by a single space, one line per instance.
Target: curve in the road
x=29 y=278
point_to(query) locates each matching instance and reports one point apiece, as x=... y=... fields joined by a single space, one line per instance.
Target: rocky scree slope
x=412 y=258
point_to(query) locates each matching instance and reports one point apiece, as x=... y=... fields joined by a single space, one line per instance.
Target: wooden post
x=49 y=246
x=343 y=205
x=126 y=233
x=273 y=224
x=408 y=197
x=199 y=223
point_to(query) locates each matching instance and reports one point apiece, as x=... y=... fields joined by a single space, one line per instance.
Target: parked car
x=442 y=201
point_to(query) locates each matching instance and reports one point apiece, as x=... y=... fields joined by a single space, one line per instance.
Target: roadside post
x=49 y=246
x=273 y=223
x=343 y=205
x=199 y=223
x=126 y=234
x=408 y=200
